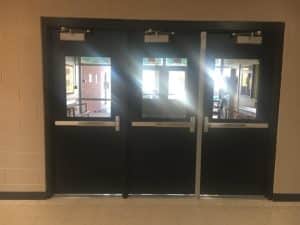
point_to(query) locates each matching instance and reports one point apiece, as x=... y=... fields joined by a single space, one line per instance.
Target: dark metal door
x=162 y=133
x=87 y=111
x=238 y=107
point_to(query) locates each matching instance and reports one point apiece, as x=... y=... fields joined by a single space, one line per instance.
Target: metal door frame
x=277 y=28
x=200 y=112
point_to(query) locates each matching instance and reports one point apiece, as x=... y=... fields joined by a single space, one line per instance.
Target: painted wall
x=21 y=95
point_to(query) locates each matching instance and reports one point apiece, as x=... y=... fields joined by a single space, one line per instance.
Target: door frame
x=49 y=23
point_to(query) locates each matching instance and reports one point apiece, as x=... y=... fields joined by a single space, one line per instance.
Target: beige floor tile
x=148 y=211
x=17 y=215
x=285 y=215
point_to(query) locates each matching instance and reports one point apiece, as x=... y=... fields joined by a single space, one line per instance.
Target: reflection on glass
x=176 y=88
x=150 y=84
x=88 y=86
x=235 y=88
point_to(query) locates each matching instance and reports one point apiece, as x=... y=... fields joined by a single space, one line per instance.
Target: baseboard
x=23 y=195
x=293 y=197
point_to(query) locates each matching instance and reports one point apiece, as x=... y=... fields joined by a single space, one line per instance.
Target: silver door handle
x=168 y=124
x=208 y=125
x=83 y=123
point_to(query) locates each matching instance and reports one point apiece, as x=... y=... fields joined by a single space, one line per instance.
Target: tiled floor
x=144 y=211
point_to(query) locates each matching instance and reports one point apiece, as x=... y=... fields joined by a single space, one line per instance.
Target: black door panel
x=238 y=91
x=161 y=160
x=89 y=159
x=234 y=161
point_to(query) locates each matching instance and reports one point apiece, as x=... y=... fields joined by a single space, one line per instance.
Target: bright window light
x=150 y=84
x=177 y=85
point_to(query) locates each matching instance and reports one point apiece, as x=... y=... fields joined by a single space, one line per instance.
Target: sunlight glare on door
x=150 y=84
x=176 y=90
x=164 y=88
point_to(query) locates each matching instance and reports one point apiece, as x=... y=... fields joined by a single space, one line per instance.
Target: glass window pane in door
x=235 y=88
x=88 y=86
